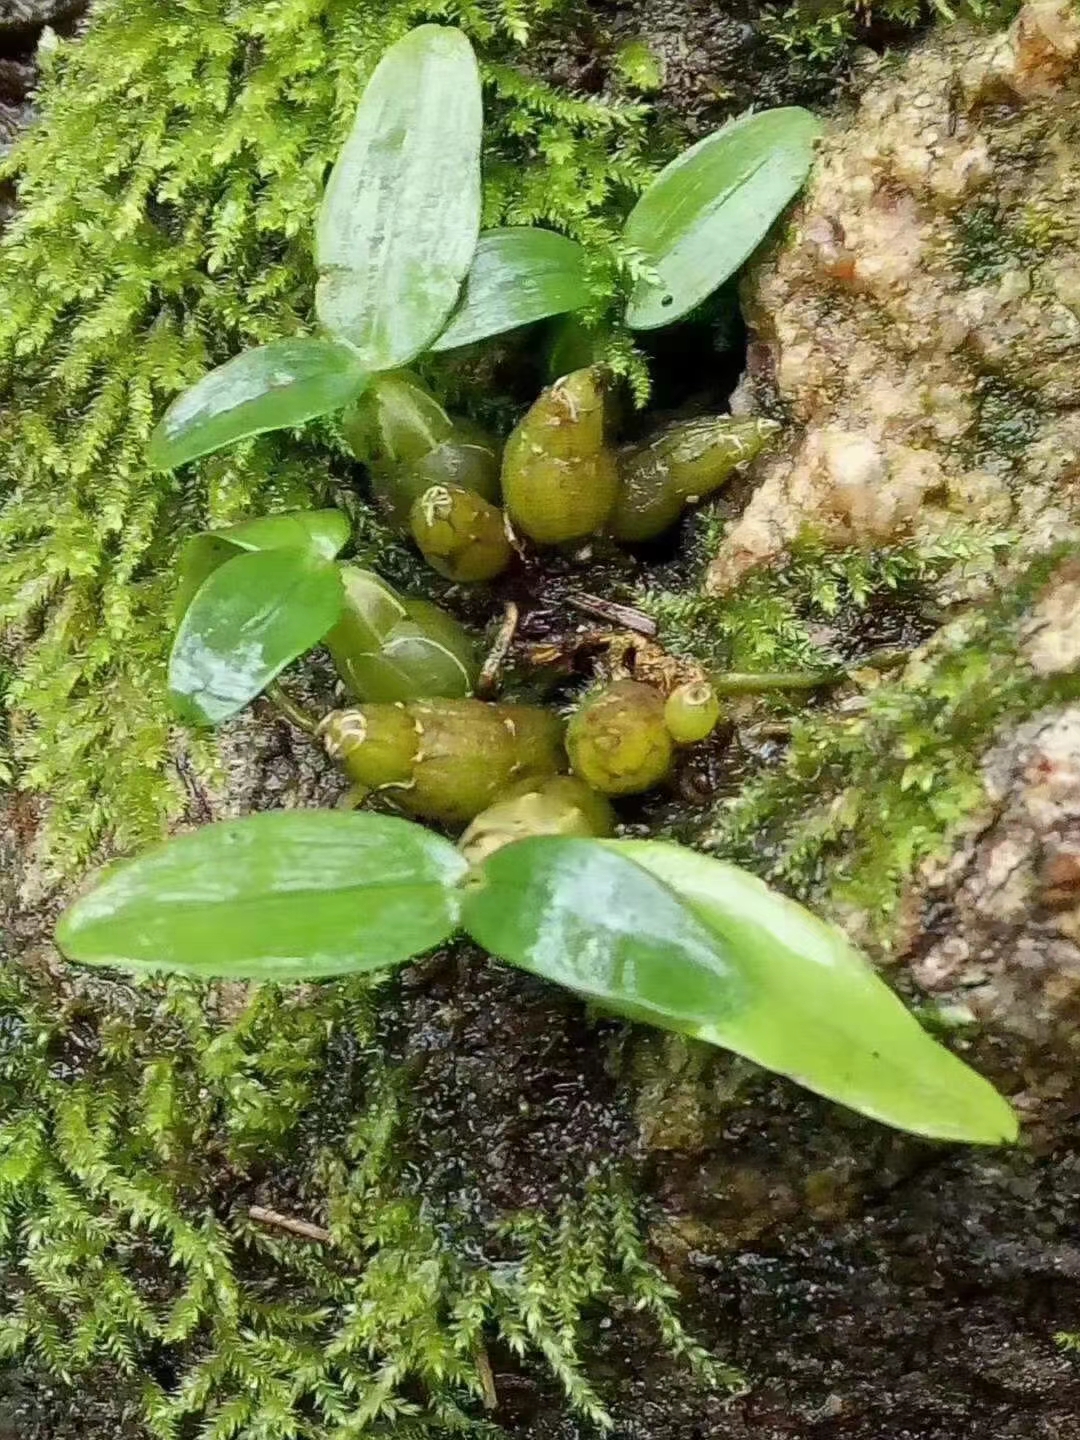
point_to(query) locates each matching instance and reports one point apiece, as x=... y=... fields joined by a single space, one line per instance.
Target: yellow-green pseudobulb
x=444 y=760
x=409 y=443
x=459 y=534
x=556 y=805
x=691 y=712
x=559 y=476
x=389 y=647
x=682 y=464
x=617 y=740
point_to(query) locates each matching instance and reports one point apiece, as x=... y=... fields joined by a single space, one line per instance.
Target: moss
x=143 y=1127
x=1007 y=420
x=989 y=243
x=823 y=32
x=868 y=789
x=823 y=608
x=167 y=194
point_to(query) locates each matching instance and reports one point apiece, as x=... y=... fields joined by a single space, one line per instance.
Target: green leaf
x=272 y=387
x=708 y=210
x=658 y=933
x=586 y=917
x=518 y=275
x=286 y=895
x=399 y=222
x=818 y=1012
x=320 y=532
x=251 y=618
x=388 y=648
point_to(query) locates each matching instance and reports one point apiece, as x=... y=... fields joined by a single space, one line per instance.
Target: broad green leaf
x=286 y=895
x=321 y=532
x=817 y=1011
x=272 y=387
x=518 y=275
x=252 y=617
x=712 y=206
x=586 y=917
x=399 y=222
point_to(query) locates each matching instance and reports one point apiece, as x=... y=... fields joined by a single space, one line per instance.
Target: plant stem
x=301 y=718
x=735 y=682
x=489 y=675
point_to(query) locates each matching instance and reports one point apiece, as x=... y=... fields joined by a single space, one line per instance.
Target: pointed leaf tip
x=818 y=1010
x=707 y=212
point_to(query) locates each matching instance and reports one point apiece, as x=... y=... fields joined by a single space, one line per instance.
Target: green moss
x=819 y=610
x=1006 y=423
x=824 y=32
x=990 y=243
x=869 y=789
x=138 y=1128
x=167 y=194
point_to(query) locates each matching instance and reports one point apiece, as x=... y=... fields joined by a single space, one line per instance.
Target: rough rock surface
x=870 y=1285
x=997 y=924
x=920 y=321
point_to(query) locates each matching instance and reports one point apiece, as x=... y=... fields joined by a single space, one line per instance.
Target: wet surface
x=713 y=60
x=870 y=1287
x=515 y=1103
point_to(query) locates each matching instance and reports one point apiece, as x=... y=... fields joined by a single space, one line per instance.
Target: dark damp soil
x=870 y=1286
x=711 y=60
x=514 y=1101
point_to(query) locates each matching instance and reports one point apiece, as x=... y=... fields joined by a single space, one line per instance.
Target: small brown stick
x=304 y=1228
x=487 y=1378
x=613 y=613
x=496 y=659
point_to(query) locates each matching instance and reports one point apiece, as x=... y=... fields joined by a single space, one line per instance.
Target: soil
x=924 y=1308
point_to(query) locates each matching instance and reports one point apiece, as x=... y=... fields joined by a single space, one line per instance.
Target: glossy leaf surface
x=389 y=648
x=252 y=617
x=286 y=895
x=588 y=918
x=320 y=532
x=399 y=222
x=707 y=212
x=518 y=275
x=818 y=1012
x=271 y=387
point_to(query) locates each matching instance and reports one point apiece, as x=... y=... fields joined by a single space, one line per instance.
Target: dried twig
x=496 y=659
x=487 y=1378
x=613 y=613
x=304 y=1228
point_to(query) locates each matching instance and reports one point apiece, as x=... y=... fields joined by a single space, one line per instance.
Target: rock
x=22 y=23
x=1051 y=640
x=995 y=927
x=33 y=15
x=920 y=321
